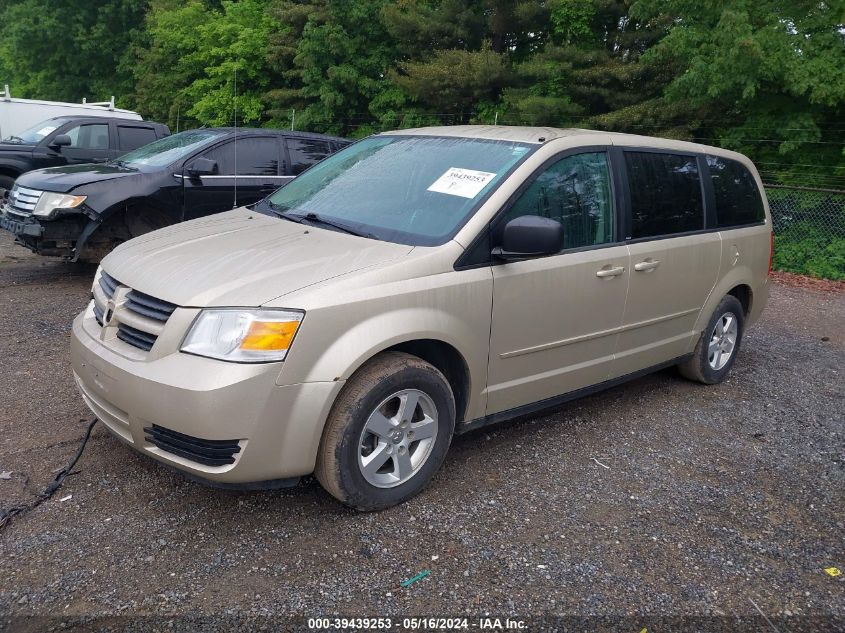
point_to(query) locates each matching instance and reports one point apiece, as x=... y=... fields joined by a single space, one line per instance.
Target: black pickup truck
x=81 y=212
x=71 y=140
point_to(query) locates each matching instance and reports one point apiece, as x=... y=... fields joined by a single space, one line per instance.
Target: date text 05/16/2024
x=418 y=623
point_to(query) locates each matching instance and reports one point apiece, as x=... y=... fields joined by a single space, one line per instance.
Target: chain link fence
x=809 y=227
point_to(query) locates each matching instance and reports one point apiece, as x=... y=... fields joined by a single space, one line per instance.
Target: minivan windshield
x=416 y=190
x=166 y=150
x=37 y=133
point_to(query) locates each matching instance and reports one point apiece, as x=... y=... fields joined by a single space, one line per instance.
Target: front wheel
x=718 y=346
x=388 y=432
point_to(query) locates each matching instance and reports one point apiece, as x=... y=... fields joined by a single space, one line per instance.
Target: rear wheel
x=6 y=182
x=719 y=344
x=388 y=432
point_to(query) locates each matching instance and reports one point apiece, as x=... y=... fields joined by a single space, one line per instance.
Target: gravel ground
x=706 y=501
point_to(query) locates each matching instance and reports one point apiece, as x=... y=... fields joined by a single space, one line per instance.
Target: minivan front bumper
x=277 y=428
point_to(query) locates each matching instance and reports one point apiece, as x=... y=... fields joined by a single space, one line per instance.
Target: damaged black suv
x=81 y=212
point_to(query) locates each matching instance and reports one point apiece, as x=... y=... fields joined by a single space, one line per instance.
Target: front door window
x=575 y=191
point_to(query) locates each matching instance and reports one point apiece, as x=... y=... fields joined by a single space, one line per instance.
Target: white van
x=17 y=115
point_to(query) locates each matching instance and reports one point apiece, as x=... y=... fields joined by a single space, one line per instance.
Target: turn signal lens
x=269 y=335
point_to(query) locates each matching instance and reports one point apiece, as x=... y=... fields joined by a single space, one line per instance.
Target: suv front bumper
x=278 y=428
x=29 y=227
x=54 y=238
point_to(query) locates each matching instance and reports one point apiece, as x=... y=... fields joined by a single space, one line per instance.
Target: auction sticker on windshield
x=465 y=183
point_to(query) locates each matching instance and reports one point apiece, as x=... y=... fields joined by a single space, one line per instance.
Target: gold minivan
x=418 y=284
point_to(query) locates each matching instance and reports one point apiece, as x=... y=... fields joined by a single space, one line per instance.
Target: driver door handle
x=610 y=272
x=647 y=265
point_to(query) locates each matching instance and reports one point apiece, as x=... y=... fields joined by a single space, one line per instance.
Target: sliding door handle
x=610 y=272
x=647 y=265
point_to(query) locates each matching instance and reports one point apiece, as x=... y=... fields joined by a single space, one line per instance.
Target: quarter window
x=576 y=192
x=665 y=194
x=738 y=199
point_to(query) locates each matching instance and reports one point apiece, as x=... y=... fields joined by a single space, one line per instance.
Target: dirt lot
x=714 y=499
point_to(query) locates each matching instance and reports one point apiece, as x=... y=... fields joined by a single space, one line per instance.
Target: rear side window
x=738 y=199
x=130 y=137
x=665 y=194
x=249 y=156
x=305 y=152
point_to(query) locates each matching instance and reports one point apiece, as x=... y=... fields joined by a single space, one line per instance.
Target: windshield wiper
x=17 y=140
x=313 y=218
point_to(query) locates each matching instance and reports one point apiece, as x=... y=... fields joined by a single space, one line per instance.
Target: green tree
x=588 y=66
x=70 y=49
x=196 y=53
x=762 y=77
x=333 y=58
x=455 y=57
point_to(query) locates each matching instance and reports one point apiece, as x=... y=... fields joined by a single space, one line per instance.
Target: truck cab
x=69 y=140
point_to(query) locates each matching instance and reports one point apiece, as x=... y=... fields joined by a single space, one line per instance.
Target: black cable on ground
x=6 y=514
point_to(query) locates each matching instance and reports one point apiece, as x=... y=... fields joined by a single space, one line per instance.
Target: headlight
x=243 y=336
x=49 y=202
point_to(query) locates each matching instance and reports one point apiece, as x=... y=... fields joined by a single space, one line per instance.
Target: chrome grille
x=139 y=317
x=108 y=283
x=98 y=314
x=134 y=336
x=22 y=201
x=149 y=306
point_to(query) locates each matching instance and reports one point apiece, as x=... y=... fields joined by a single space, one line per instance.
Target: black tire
x=698 y=368
x=337 y=466
x=6 y=182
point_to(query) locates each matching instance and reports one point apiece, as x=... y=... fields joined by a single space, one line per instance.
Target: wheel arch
x=737 y=283
x=454 y=347
x=119 y=213
x=744 y=295
x=138 y=202
x=8 y=170
x=448 y=360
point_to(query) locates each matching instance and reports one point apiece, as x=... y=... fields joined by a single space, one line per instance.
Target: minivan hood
x=240 y=258
x=68 y=177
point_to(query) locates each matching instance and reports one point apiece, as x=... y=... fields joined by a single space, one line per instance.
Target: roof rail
x=6 y=95
x=102 y=104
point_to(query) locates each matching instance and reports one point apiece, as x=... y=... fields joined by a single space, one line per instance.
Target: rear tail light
x=771 y=250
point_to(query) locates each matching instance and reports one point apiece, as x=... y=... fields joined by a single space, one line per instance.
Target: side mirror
x=202 y=167
x=530 y=236
x=62 y=140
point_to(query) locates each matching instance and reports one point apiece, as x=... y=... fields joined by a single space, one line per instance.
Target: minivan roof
x=540 y=135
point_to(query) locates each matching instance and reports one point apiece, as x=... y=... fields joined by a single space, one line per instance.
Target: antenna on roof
x=235 y=87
